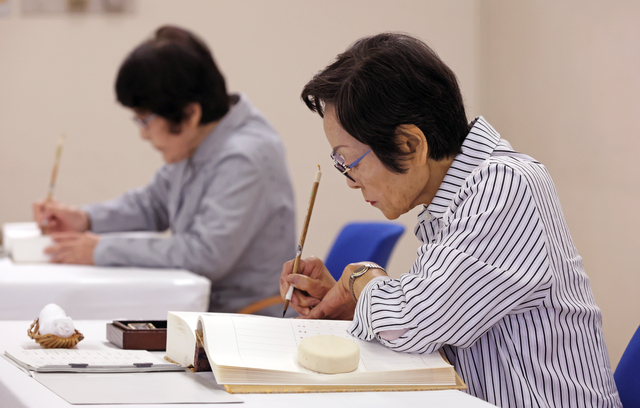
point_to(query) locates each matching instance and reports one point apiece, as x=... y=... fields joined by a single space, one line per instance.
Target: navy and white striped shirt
x=498 y=286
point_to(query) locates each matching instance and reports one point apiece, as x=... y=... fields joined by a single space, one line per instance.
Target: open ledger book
x=250 y=353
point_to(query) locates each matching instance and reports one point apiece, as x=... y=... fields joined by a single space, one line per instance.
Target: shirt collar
x=237 y=115
x=476 y=148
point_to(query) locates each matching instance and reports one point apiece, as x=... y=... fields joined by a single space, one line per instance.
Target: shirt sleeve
x=486 y=259
x=142 y=209
x=228 y=216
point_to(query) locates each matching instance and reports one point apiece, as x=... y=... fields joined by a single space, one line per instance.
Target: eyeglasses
x=342 y=166
x=143 y=123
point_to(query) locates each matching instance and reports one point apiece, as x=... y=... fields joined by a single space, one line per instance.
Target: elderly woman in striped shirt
x=498 y=284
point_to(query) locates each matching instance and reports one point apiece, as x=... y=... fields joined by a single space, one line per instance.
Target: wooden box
x=135 y=334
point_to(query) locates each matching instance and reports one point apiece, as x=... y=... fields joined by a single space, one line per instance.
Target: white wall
x=561 y=82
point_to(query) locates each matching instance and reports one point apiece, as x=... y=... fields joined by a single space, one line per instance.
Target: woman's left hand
x=338 y=303
x=73 y=247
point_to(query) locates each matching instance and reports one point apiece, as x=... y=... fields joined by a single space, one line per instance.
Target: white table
x=17 y=389
x=90 y=292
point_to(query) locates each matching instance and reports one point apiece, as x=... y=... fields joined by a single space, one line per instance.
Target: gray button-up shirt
x=229 y=207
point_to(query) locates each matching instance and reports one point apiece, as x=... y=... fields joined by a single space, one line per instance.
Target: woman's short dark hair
x=168 y=72
x=387 y=80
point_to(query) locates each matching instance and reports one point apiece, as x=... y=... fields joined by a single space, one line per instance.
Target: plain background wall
x=559 y=81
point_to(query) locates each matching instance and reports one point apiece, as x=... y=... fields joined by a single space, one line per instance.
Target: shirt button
x=426 y=217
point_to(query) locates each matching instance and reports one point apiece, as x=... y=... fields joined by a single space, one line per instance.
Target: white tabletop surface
x=90 y=292
x=17 y=389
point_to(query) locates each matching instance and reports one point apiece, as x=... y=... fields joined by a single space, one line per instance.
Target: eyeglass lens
x=340 y=164
x=143 y=122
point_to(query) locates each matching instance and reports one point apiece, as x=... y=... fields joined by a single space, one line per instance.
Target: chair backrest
x=363 y=241
x=627 y=375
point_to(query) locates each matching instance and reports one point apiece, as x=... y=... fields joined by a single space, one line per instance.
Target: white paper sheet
x=136 y=388
x=84 y=361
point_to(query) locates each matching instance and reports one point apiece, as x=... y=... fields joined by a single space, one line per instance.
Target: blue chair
x=627 y=375
x=356 y=242
x=363 y=241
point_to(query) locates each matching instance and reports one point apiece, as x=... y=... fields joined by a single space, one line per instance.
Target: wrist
x=362 y=275
x=372 y=275
x=86 y=221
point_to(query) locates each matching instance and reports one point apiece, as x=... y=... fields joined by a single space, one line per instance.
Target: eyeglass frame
x=143 y=123
x=344 y=168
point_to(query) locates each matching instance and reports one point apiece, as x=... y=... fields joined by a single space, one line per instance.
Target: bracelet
x=361 y=270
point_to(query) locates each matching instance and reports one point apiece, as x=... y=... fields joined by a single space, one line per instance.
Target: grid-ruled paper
x=272 y=344
x=72 y=360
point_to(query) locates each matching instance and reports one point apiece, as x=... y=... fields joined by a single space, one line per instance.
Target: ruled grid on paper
x=272 y=344
x=41 y=358
x=45 y=359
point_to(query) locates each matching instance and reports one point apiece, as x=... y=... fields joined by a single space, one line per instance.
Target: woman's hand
x=313 y=281
x=338 y=303
x=73 y=247
x=53 y=216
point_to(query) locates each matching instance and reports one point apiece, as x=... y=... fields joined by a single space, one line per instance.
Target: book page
x=181 y=339
x=272 y=344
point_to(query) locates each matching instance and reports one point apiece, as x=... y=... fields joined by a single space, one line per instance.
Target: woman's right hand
x=53 y=216
x=313 y=281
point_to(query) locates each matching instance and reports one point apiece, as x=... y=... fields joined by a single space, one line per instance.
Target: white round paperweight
x=329 y=354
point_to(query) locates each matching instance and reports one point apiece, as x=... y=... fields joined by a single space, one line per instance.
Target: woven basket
x=51 y=340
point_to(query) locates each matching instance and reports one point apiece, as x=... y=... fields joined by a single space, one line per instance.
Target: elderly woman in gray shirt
x=224 y=192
